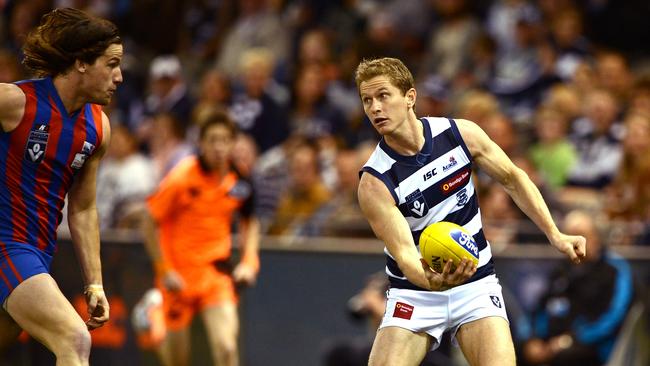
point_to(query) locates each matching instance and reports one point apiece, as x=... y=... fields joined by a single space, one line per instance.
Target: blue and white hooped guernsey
x=433 y=185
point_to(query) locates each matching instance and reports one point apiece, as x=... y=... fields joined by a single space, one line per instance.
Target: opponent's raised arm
x=84 y=229
x=491 y=159
x=391 y=227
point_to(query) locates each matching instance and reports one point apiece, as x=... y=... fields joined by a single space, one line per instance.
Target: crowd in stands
x=562 y=86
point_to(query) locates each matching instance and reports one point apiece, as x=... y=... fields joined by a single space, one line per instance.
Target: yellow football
x=444 y=240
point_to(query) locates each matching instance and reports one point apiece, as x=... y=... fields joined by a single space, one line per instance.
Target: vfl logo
x=416 y=204
x=462 y=197
x=37 y=144
x=80 y=157
x=496 y=301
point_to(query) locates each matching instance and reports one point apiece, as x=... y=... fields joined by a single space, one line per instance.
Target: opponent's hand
x=448 y=279
x=574 y=246
x=98 y=308
x=244 y=274
x=173 y=281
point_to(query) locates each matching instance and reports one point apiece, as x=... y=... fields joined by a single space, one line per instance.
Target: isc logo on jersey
x=465 y=240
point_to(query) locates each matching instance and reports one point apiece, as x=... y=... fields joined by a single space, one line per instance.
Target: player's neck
x=408 y=139
x=67 y=88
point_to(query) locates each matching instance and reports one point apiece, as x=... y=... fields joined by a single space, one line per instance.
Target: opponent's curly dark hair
x=64 y=36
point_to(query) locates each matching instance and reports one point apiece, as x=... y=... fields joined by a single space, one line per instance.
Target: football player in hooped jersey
x=53 y=135
x=418 y=175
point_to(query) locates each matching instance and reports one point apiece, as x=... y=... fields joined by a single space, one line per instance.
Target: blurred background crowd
x=562 y=86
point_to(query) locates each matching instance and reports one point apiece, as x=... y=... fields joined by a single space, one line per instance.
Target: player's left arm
x=84 y=229
x=249 y=243
x=246 y=270
x=491 y=159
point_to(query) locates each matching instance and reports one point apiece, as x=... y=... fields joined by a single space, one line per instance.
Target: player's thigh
x=395 y=346
x=221 y=323
x=9 y=330
x=38 y=306
x=487 y=342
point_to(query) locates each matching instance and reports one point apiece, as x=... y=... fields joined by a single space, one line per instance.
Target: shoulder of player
x=373 y=192
x=12 y=105
x=473 y=135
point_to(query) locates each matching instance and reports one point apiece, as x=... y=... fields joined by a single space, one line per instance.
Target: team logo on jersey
x=37 y=143
x=416 y=204
x=496 y=301
x=80 y=157
x=462 y=197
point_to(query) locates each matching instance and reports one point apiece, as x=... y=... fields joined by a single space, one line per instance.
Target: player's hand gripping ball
x=444 y=240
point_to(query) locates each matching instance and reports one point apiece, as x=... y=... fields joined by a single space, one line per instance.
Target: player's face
x=216 y=145
x=100 y=79
x=384 y=104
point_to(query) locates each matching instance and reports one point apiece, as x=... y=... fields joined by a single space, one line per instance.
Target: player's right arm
x=391 y=227
x=12 y=106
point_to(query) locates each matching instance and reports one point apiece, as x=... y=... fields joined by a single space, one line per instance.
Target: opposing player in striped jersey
x=420 y=173
x=53 y=135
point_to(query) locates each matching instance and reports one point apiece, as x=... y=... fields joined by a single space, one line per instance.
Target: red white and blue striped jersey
x=38 y=162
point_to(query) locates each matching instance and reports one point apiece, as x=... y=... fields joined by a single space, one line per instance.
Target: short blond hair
x=398 y=74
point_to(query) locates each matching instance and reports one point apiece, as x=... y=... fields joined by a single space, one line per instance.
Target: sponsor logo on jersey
x=452 y=163
x=80 y=157
x=416 y=204
x=465 y=240
x=430 y=174
x=37 y=143
x=402 y=310
x=457 y=180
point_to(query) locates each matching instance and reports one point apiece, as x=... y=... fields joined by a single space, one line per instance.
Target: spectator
x=312 y=114
x=342 y=215
x=451 y=39
x=578 y=318
x=169 y=91
x=628 y=197
x=597 y=138
x=614 y=75
x=167 y=145
x=569 y=43
x=124 y=180
x=256 y=27
x=214 y=95
x=255 y=109
x=433 y=96
x=553 y=154
x=306 y=194
x=9 y=67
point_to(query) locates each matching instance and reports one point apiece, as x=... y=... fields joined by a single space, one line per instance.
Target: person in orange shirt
x=188 y=236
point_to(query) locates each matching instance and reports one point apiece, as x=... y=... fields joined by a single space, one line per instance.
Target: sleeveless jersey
x=38 y=161
x=433 y=185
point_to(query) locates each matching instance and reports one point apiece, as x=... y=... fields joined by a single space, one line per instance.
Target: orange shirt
x=194 y=211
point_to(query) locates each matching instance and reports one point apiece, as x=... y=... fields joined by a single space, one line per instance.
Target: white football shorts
x=434 y=312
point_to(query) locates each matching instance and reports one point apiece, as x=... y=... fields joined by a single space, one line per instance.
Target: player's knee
x=75 y=340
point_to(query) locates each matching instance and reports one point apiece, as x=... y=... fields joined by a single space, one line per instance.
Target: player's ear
x=411 y=96
x=80 y=66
